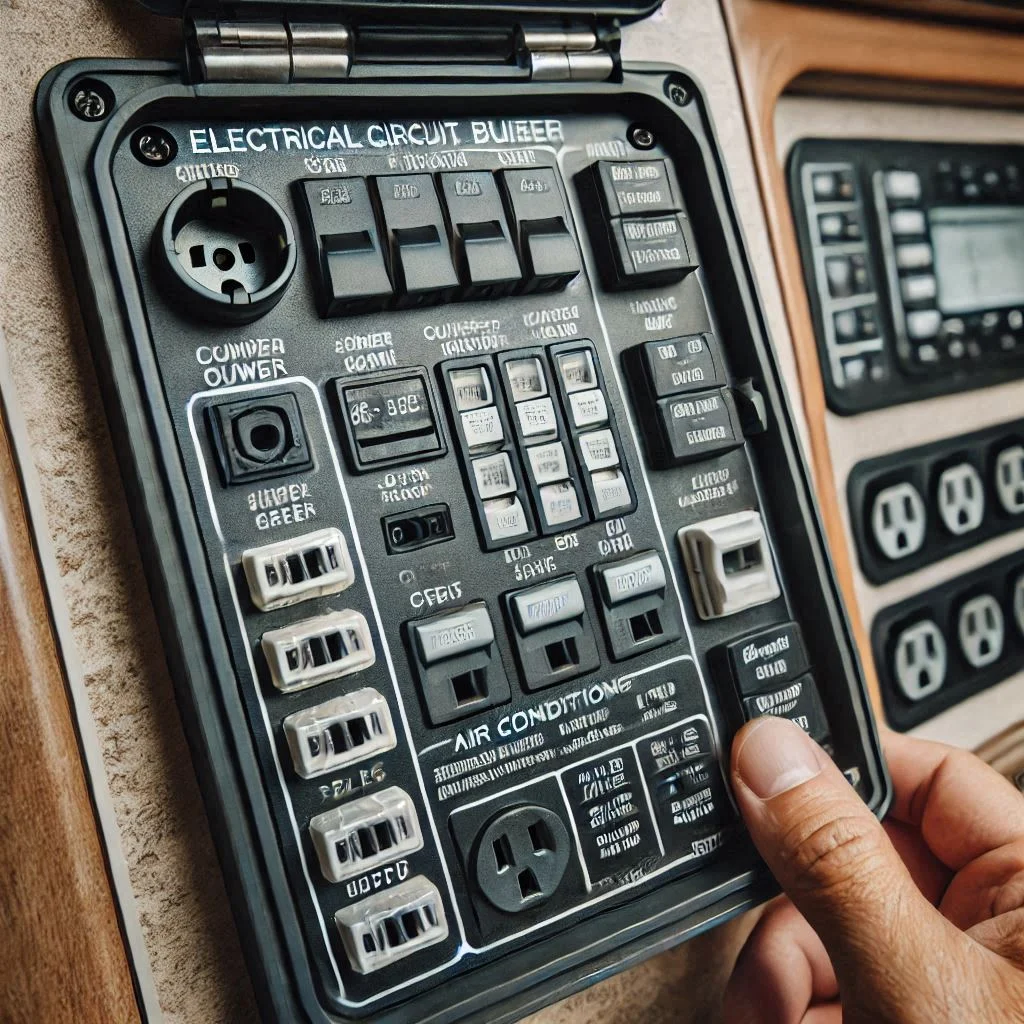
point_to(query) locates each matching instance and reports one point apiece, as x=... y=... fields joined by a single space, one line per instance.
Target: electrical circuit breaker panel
x=472 y=505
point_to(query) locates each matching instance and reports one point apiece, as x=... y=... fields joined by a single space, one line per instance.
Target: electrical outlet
x=920 y=660
x=1018 y=603
x=521 y=858
x=1009 y=473
x=898 y=521
x=961 y=499
x=981 y=630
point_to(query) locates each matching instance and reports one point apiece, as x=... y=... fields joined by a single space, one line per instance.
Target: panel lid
x=418 y=10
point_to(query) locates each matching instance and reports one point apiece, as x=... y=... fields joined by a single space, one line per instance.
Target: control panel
x=474 y=513
x=913 y=257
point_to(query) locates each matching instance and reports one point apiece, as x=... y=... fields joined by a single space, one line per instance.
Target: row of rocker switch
x=410 y=239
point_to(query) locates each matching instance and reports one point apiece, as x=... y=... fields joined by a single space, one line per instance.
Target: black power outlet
x=521 y=857
x=260 y=437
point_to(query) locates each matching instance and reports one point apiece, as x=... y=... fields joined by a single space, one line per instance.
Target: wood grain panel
x=61 y=949
x=774 y=44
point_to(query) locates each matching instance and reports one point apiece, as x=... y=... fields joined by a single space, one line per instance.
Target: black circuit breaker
x=436 y=409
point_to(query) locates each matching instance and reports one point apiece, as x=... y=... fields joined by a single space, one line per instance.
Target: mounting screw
x=91 y=101
x=377 y=772
x=678 y=94
x=154 y=146
x=640 y=137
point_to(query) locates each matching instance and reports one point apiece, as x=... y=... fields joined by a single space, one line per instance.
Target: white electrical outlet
x=920 y=660
x=898 y=521
x=961 y=499
x=1009 y=472
x=981 y=630
x=1018 y=602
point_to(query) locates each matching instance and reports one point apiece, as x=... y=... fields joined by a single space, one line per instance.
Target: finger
x=930 y=875
x=1004 y=936
x=836 y=863
x=963 y=807
x=831 y=1014
x=988 y=887
x=782 y=970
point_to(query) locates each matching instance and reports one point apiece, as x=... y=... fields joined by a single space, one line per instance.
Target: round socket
x=224 y=250
x=981 y=630
x=1009 y=477
x=521 y=857
x=961 y=498
x=898 y=521
x=920 y=660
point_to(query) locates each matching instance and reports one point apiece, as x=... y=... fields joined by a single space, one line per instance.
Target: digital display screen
x=979 y=257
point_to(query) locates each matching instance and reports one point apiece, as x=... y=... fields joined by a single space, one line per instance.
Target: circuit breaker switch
x=637 y=610
x=290 y=571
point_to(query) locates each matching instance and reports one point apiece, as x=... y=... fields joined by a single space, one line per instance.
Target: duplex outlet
x=960 y=497
x=1018 y=603
x=981 y=631
x=898 y=521
x=920 y=660
x=1009 y=479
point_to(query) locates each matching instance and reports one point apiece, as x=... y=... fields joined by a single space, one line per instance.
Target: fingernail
x=776 y=755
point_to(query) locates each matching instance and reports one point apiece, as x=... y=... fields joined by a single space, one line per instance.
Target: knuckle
x=828 y=852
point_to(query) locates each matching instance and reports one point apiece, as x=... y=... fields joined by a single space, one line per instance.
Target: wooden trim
x=776 y=42
x=62 y=952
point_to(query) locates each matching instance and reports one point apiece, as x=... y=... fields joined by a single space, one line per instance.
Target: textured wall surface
x=196 y=964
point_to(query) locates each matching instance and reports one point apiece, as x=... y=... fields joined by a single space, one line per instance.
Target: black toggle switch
x=486 y=257
x=353 y=275
x=418 y=239
x=547 y=248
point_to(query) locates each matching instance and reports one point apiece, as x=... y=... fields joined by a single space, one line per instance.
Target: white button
x=537 y=417
x=923 y=323
x=610 y=490
x=526 y=379
x=918 y=288
x=505 y=518
x=825 y=185
x=907 y=222
x=598 y=450
x=831 y=227
x=588 y=408
x=577 y=370
x=928 y=354
x=482 y=427
x=559 y=503
x=494 y=475
x=902 y=185
x=915 y=256
x=471 y=387
x=548 y=462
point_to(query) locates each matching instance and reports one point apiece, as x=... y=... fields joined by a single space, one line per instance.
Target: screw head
x=154 y=146
x=88 y=103
x=640 y=137
x=678 y=94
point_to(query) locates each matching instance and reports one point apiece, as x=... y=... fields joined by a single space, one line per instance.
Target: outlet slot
x=1009 y=479
x=410 y=531
x=728 y=563
x=258 y=438
x=521 y=857
x=283 y=574
x=339 y=732
x=314 y=650
x=363 y=834
x=392 y=924
x=960 y=497
x=981 y=630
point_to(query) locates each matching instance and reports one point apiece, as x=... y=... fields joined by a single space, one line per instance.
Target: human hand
x=919 y=921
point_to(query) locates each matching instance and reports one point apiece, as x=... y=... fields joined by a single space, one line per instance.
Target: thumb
x=833 y=858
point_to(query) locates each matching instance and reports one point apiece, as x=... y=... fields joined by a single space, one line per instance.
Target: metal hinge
x=287 y=51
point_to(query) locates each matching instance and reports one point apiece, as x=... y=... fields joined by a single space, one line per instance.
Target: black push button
x=388 y=420
x=650 y=250
x=353 y=275
x=695 y=426
x=798 y=701
x=635 y=187
x=680 y=364
x=418 y=239
x=547 y=248
x=767 y=658
x=487 y=259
